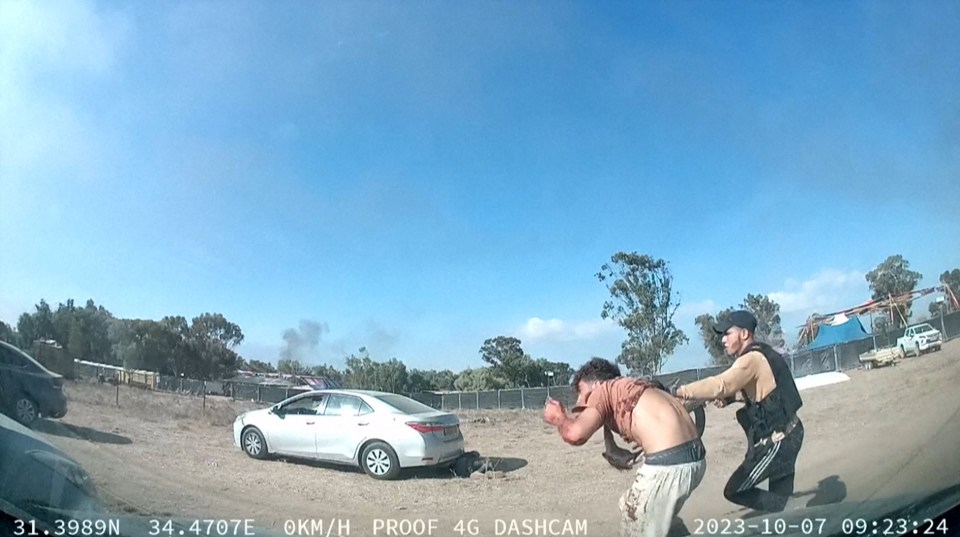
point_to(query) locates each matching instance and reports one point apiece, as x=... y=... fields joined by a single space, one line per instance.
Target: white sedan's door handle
x=310 y=422
x=362 y=423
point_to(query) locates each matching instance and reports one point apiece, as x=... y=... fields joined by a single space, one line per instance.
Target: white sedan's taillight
x=426 y=427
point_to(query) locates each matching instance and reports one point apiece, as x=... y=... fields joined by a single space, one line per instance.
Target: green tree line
x=508 y=367
x=891 y=277
x=642 y=301
x=201 y=348
x=204 y=347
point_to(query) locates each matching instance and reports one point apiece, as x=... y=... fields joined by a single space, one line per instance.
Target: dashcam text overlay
x=406 y=527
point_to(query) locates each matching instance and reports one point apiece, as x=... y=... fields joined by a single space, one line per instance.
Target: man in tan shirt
x=674 y=457
x=759 y=378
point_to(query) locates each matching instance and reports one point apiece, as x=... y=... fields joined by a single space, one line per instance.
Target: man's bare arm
x=576 y=431
x=622 y=459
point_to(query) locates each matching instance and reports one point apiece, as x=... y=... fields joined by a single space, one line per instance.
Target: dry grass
x=159 y=406
x=893 y=428
x=156 y=406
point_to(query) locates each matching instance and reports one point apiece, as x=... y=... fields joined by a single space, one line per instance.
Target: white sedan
x=377 y=431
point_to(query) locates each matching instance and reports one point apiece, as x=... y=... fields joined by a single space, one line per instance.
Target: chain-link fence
x=261 y=393
x=841 y=357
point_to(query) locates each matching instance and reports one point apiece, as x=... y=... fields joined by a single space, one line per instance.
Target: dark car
x=40 y=482
x=28 y=390
x=44 y=491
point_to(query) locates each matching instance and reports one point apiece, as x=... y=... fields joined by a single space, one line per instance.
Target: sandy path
x=885 y=432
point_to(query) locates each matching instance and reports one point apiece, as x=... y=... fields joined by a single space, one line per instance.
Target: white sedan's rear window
x=405 y=404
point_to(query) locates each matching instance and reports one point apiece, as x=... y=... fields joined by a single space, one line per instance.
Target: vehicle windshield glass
x=18 y=358
x=405 y=404
x=304 y=405
x=445 y=213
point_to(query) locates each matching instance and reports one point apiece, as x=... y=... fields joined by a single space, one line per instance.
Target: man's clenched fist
x=553 y=412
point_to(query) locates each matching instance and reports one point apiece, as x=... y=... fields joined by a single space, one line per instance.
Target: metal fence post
x=259 y=396
x=478 y=400
x=836 y=358
x=793 y=365
x=459 y=400
x=523 y=403
x=203 y=389
x=499 y=406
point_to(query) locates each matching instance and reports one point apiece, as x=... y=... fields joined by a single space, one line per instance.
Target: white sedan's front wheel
x=253 y=443
x=379 y=461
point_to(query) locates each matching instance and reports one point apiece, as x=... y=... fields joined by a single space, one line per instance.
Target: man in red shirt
x=674 y=456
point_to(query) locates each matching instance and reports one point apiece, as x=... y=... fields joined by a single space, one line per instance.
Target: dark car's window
x=10 y=358
x=343 y=405
x=307 y=405
x=16 y=358
x=405 y=404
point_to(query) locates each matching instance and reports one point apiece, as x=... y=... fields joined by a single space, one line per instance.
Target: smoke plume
x=303 y=344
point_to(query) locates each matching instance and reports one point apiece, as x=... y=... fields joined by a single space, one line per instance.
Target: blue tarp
x=829 y=335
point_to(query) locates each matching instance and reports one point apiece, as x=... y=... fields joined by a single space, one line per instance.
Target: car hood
x=911 y=508
x=251 y=414
x=140 y=525
x=56 y=480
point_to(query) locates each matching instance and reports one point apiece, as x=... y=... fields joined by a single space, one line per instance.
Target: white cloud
x=826 y=291
x=63 y=36
x=541 y=330
x=45 y=135
x=44 y=48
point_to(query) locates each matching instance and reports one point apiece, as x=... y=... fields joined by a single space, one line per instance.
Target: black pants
x=776 y=463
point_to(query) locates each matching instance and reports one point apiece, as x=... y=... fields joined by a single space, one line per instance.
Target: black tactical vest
x=772 y=414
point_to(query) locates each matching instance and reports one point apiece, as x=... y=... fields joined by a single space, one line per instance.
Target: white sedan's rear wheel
x=380 y=461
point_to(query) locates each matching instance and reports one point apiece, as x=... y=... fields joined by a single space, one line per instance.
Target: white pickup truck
x=920 y=338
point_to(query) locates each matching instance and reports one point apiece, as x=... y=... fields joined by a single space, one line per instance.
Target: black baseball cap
x=741 y=318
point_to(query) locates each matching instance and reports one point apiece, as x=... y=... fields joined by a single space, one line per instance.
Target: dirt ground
x=883 y=433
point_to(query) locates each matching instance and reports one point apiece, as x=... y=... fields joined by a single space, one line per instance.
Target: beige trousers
x=655 y=498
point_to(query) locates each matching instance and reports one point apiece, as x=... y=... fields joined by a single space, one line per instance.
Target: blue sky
x=417 y=177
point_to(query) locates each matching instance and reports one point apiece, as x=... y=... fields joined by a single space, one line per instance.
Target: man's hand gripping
x=616 y=456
